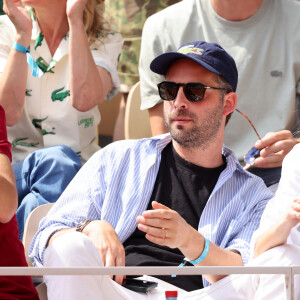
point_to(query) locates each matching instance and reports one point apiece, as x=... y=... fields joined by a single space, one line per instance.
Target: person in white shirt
x=53 y=99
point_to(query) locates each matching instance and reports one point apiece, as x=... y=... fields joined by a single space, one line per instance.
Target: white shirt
x=288 y=190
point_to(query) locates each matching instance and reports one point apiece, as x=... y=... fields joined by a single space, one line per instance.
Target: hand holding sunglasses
x=270 y=150
x=274 y=147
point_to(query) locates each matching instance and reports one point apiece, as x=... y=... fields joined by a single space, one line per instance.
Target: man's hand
x=275 y=146
x=166 y=227
x=19 y=16
x=108 y=245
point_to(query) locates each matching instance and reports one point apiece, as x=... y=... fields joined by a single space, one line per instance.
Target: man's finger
x=120 y=262
x=285 y=146
x=273 y=137
x=110 y=262
x=154 y=222
x=272 y=161
x=157 y=232
x=157 y=205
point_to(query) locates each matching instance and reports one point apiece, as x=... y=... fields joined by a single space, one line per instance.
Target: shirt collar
x=61 y=51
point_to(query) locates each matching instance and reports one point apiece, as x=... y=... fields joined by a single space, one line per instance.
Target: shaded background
x=1 y=5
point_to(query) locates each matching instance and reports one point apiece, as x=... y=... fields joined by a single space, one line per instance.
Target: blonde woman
x=56 y=103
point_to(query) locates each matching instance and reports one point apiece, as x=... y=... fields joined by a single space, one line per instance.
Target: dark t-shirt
x=185 y=188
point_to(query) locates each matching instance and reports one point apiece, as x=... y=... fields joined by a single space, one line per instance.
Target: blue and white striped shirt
x=116 y=184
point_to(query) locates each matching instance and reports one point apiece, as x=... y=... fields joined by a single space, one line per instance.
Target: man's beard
x=201 y=135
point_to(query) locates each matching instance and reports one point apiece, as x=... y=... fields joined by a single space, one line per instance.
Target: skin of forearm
x=13 y=83
x=86 y=87
x=275 y=236
x=8 y=191
x=216 y=256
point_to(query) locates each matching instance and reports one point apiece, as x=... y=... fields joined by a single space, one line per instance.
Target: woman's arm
x=277 y=234
x=8 y=191
x=14 y=78
x=89 y=84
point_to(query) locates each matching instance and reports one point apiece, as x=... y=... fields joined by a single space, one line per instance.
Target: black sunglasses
x=193 y=91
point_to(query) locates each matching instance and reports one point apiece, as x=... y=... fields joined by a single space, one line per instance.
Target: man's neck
x=210 y=157
x=236 y=10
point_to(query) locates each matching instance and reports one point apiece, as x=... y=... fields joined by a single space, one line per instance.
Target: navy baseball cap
x=210 y=56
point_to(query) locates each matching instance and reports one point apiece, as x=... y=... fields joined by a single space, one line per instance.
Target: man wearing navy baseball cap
x=177 y=199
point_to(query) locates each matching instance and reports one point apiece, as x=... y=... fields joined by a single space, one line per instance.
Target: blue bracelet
x=21 y=48
x=199 y=259
x=36 y=71
x=202 y=256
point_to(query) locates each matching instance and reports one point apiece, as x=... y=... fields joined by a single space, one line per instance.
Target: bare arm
x=8 y=194
x=14 y=78
x=166 y=227
x=8 y=191
x=89 y=84
x=277 y=234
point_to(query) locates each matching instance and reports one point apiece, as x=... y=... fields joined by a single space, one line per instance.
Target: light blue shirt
x=116 y=184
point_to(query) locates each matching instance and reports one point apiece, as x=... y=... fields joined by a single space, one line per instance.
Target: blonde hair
x=93 y=19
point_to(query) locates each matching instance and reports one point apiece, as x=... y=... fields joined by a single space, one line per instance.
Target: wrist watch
x=81 y=225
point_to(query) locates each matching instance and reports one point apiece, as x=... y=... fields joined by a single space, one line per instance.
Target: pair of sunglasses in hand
x=253 y=153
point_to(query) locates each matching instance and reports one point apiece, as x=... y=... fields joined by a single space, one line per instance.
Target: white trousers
x=75 y=249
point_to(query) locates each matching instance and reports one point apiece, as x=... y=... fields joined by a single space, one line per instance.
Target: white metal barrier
x=288 y=271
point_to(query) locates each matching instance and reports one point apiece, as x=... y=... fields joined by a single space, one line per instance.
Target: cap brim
x=162 y=63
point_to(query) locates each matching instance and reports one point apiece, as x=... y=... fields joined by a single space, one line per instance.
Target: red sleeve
x=5 y=145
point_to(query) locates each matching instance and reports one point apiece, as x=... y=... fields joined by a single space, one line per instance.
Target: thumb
x=157 y=205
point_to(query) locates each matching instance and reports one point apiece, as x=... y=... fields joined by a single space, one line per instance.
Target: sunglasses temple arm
x=249 y=122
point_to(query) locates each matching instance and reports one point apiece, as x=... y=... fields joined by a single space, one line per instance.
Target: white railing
x=289 y=272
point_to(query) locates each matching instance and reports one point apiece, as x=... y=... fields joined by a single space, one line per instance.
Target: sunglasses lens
x=168 y=90
x=194 y=92
x=251 y=155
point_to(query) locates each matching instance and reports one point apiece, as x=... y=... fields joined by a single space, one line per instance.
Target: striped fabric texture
x=116 y=184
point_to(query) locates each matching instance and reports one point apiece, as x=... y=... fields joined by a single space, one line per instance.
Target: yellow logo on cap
x=190 y=49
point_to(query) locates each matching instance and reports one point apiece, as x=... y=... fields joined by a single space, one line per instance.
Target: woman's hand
x=19 y=16
x=108 y=245
x=75 y=9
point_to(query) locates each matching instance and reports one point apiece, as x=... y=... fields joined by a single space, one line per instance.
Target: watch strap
x=81 y=225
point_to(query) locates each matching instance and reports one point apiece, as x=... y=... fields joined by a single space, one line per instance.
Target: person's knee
x=55 y=159
x=72 y=249
x=60 y=153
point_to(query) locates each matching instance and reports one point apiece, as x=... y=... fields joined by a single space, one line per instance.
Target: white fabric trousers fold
x=75 y=249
